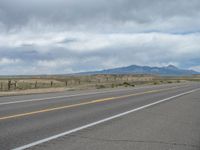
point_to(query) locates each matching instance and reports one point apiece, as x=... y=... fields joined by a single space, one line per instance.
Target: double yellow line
x=81 y=104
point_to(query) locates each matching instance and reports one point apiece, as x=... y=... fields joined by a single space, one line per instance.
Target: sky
x=68 y=36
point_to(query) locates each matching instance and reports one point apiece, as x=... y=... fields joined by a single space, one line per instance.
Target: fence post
x=35 y=84
x=79 y=81
x=9 y=84
x=15 y=84
x=1 y=86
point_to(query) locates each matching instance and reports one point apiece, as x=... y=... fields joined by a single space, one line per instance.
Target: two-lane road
x=37 y=121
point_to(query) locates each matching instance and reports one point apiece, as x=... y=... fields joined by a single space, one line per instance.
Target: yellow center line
x=81 y=104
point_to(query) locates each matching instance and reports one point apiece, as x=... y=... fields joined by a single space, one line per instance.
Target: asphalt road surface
x=162 y=117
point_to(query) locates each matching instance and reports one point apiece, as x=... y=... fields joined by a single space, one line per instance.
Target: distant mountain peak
x=171 y=67
x=169 y=70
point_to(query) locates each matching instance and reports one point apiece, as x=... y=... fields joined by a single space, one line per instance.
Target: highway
x=160 y=117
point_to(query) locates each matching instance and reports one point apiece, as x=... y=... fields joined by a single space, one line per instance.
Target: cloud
x=7 y=61
x=88 y=51
x=101 y=15
x=44 y=37
x=196 y=68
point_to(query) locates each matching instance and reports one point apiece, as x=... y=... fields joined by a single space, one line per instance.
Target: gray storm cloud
x=64 y=36
x=99 y=13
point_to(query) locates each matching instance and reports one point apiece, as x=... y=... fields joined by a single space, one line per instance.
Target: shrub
x=100 y=86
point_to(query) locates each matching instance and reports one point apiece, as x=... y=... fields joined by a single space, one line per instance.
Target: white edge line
x=67 y=96
x=100 y=121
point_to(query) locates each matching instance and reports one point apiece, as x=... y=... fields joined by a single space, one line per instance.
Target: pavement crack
x=138 y=141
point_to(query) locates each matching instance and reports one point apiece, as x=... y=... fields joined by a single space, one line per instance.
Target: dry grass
x=32 y=91
x=68 y=81
x=44 y=84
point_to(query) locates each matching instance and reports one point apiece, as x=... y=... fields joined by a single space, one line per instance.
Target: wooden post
x=1 y=86
x=15 y=84
x=51 y=83
x=35 y=84
x=115 y=78
x=9 y=84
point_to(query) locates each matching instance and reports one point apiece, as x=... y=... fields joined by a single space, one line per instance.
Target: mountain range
x=169 y=70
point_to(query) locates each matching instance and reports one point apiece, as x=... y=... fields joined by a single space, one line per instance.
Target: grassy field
x=21 y=83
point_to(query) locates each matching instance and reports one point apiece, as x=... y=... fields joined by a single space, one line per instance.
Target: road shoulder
x=173 y=125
